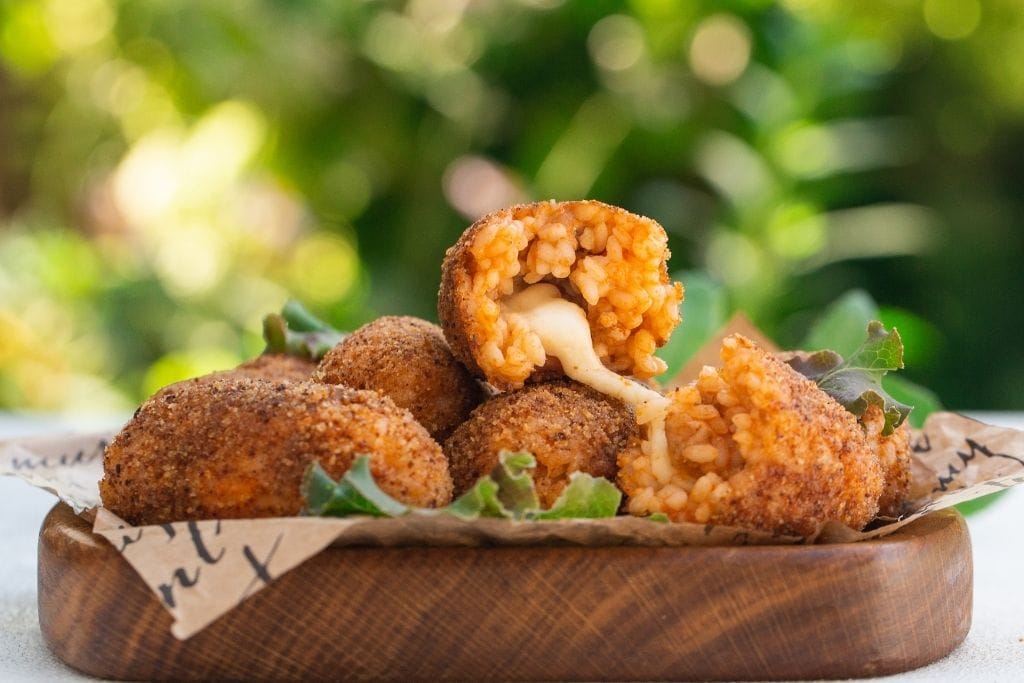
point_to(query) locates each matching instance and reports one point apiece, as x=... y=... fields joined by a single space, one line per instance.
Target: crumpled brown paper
x=68 y=466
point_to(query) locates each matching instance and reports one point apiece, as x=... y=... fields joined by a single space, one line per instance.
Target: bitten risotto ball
x=238 y=448
x=755 y=444
x=407 y=360
x=610 y=262
x=567 y=426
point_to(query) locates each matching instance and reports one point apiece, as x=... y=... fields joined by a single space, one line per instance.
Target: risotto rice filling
x=607 y=261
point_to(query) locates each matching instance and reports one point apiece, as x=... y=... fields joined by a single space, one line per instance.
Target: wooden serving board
x=536 y=613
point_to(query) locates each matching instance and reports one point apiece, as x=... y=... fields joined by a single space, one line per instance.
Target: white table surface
x=993 y=650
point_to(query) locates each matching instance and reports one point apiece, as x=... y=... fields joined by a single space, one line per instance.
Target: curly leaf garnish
x=355 y=494
x=584 y=497
x=856 y=382
x=507 y=492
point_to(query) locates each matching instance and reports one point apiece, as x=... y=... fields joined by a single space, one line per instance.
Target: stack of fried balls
x=750 y=443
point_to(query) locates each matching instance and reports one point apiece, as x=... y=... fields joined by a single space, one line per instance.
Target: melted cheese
x=564 y=333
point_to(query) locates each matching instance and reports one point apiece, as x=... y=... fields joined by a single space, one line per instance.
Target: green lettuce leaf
x=856 y=382
x=585 y=497
x=479 y=501
x=355 y=494
x=841 y=328
x=297 y=332
x=507 y=492
x=515 y=483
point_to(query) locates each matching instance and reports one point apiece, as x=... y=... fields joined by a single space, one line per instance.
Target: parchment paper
x=68 y=466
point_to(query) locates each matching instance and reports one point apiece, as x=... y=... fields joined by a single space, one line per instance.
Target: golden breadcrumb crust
x=567 y=426
x=238 y=448
x=407 y=360
x=893 y=454
x=274 y=367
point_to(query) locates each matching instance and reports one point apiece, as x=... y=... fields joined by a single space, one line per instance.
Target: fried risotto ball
x=238 y=448
x=407 y=360
x=567 y=426
x=609 y=261
x=755 y=444
x=892 y=451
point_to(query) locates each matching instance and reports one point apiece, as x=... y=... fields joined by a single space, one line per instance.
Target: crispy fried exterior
x=407 y=360
x=893 y=454
x=567 y=426
x=758 y=445
x=610 y=262
x=892 y=451
x=238 y=448
x=274 y=367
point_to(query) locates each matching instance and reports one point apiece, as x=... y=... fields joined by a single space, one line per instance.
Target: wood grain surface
x=538 y=613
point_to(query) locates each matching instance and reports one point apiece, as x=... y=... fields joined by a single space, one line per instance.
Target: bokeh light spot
x=735 y=169
x=459 y=95
x=392 y=41
x=952 y=19
x=221 y=144
x=147 y=181
x=269 y=213
x=806 y=150
x=875 y=56
x=190 y=259
x=734 y=259
x=475 y=186
x=25 y=42
x=720 y=49
x=323 y=268
x=128 y=91
x=616 y=42
x=440 y=15
x=349 y=188
x=78 y=24
x=765 y=96
x=796 y=231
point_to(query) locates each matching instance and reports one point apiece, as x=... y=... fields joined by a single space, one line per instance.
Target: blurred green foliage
x=171 y=171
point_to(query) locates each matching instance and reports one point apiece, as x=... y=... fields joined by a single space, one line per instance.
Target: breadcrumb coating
x=893 y=454
x=234 y=447
x=274 y=367
x=407 y=360
x=567 y=426
x=755 y=444
x=609 y=261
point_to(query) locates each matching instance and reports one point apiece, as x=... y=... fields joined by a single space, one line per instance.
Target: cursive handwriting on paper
x=951 y=478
